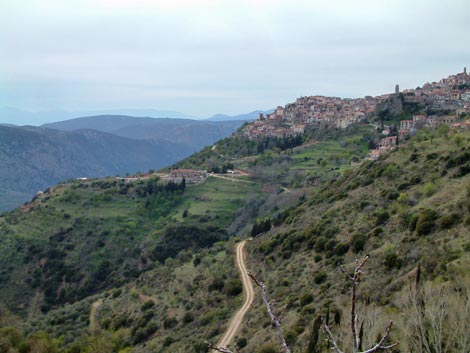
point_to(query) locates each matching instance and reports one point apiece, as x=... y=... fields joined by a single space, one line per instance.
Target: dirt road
x=236 y=321
x=94 y=309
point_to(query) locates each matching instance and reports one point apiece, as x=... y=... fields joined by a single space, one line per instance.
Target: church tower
x=397 y=89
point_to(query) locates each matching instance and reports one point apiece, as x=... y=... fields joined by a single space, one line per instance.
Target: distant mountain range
x=20 y=117
x=248 y=116
x=11 y=115
x=193 y=133
x=34 y=158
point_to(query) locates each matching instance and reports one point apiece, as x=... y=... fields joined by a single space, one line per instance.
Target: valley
x=35 y=158
x=158 y=261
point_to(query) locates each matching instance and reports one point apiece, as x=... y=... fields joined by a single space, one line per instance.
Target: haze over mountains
x=34 y=158
x=194 y=133
x=24 y=117
x=16 y=116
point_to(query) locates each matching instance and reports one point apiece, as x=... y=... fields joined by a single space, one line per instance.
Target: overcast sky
x=222 y=56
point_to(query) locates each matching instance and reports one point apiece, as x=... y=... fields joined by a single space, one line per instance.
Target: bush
x=216 y=284
x=168 y=341
x=268 y=348
x=306 y=298
x=429 y=189
x=320 y=277
x=382 y=217
x=359 y=242
x=169 y=322
x=448 y=221
x=261 y=226
x=241 y=342
x=377 y=231
x=425 y=223
x=188 y=317
x=341 y=249
x=233 y=287
x=391 y=171
x=392 y=260
x=320 y=244
x=147 y=305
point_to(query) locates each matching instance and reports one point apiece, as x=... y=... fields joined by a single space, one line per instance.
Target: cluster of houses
x=450 y=93
x=294 y=118
x=409 y=127
x=190 y=176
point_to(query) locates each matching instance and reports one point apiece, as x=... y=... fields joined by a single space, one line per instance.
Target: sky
x=203 y=57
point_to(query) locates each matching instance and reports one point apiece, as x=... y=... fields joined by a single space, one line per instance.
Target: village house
x=406 y=125
x=190 y=176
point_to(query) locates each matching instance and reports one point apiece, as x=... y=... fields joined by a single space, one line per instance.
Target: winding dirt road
x=236 y=321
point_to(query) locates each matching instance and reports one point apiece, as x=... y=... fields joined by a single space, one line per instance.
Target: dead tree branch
x=219 y=349
x=270 y=308
x=355 y=278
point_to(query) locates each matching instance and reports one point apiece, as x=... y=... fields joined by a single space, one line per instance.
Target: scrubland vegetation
x=109 y=266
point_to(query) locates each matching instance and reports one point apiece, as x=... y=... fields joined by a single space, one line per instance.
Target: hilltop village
x=446 y=102
x=451 y=94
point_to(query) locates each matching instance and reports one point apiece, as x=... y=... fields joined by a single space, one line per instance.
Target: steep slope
x=33 y=159
x=408 y=209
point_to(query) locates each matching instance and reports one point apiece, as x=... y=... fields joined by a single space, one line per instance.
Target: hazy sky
x=222 y=56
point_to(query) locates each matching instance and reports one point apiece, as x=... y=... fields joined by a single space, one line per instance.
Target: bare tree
x=270 y=308
x=356 y=336
x=436 y=318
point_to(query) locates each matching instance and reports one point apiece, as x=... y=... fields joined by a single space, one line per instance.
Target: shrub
x=169 y=322
x=168 y=341
x=391 y=260
x=320 y=244
x=268 y=348
x=391 y=171
x=448 y=221
x=233 y=287
x=306 y=298
x=359 y=241
x=341 y=249
x=376 y=232
x=147 y=305
x=429 y=189
x=241 y=342
x=415 y=180
x=320 y=277
x=425 y=223
x=261 y=226
x=188 y=317
x=382 y=217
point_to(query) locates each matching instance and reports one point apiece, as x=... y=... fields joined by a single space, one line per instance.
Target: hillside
x=405 y=210
x=33 y=159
